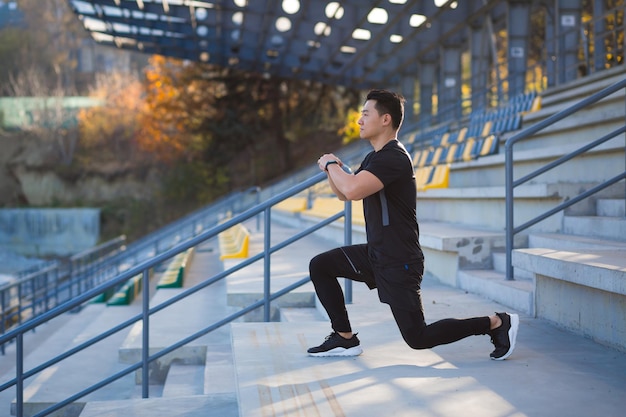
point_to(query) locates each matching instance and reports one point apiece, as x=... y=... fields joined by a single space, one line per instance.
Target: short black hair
x=388 y=102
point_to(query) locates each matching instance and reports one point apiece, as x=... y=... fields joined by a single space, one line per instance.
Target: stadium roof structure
x=355 y=43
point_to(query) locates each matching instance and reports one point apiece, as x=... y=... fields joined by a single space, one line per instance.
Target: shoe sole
x=339 y=351
x=512 y=337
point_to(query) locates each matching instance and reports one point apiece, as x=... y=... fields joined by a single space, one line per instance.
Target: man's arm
x=340 y=195
x=348 y=186
x=353 y=187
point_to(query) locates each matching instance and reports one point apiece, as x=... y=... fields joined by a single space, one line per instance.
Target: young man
x=392 y=260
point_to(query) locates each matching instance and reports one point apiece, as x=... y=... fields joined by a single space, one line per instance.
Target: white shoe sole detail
x=339 y=351
x=512 y=337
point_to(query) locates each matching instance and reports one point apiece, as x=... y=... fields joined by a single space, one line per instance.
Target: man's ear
x=387 y=119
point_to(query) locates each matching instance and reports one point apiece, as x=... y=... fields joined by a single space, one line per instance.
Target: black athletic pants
x=352 y=262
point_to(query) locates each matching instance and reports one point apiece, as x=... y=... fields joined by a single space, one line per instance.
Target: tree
x=110 y=130
x=50 y=121
x=53 y=35
x=243 y=124
x=12 y=41
x=350 y=132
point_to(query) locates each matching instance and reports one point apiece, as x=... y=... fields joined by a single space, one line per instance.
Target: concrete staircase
x=181 y=374
x=196 y=377
x=462 y=226
x=574 y=259
x=258 y=369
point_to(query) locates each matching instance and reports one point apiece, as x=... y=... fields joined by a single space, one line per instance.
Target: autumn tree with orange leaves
x=110 y=130
x=222 y=129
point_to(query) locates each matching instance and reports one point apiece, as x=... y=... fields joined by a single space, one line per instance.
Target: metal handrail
x=40 y=290
x=144 y=268
x=510 y=183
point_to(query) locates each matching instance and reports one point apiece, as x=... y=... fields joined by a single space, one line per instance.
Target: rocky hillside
x=31 y=176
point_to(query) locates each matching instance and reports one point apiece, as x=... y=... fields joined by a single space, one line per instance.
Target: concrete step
x=300 y=314
x=173 y=324
x=564 y=241
x=246 y=286
x=611 y=207
x=222 y=405
x=579 y=126
x=84 y=369
x=48 y=341
x=219 y=370
x=180 y=320
x=499 y=265
x=518 y=294
x=184 y=380
x=613 y=228
x=482 y=206
x=598 y=269
x=277 y=378
x=582 y=290
x=576 y=90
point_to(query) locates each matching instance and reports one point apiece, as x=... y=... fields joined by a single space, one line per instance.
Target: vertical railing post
x=3 y=315
x=49 y=288
x=20 y=297
x=33 y=296
x=258 y=201
x=19 y=375
x=347 y=238
x=509 y=232
x=57 y=285
x=145 y=343
x=267 y=242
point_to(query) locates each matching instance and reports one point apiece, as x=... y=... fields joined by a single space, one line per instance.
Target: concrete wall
x=597 y=314
x=582 y=290
x=49 y=232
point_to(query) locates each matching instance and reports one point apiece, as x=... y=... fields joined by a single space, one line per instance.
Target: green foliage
x=194 y=182
x=245 y=126
x=12 y=41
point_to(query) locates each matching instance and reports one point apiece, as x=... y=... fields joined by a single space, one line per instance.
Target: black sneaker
x=336 y=345
x=503 y=337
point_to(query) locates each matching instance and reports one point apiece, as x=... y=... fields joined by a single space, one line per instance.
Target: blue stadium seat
x=486 y=146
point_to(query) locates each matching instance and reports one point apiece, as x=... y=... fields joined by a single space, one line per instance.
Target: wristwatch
x=329 y=163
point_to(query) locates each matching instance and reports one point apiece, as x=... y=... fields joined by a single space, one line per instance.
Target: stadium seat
x=433 y=156
x=432 y=177
x=452 y=154
x=487 y=146
x=234 y=242
x=486 y=130
x=461 y=135
x=293 y=204
x=468 y=150
x=444 y=139
x=421 y=156
x=324 y=207
x=417 y=155
x=174 y=274
x=423 y=176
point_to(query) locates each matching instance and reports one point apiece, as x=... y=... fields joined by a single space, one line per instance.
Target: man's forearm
x=336 y=190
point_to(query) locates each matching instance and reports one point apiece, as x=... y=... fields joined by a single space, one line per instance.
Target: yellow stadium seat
x=468 y=150
x=452 y=150
x=461 y=135
x=440 y=177
x=423 y=176
x=292 y=204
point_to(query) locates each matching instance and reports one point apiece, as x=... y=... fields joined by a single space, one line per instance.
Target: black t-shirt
x=390 y=217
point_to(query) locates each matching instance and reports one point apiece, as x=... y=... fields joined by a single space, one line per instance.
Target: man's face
x=370 y=122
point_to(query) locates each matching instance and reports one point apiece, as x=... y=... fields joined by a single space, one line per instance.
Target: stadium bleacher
x=435 y=149
x=568 y=287
x=234 y=242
